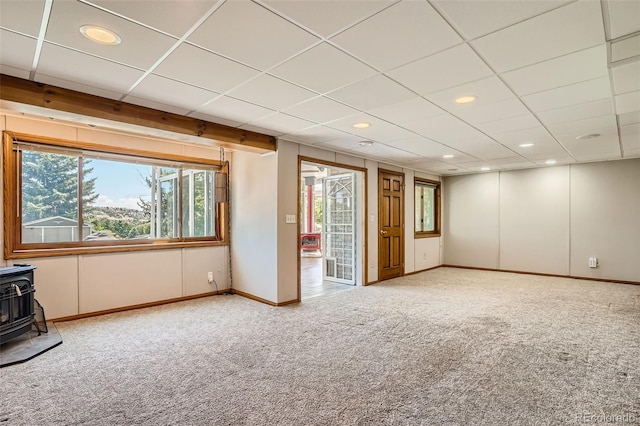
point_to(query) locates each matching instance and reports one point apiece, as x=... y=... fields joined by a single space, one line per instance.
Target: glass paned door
x=338 y=229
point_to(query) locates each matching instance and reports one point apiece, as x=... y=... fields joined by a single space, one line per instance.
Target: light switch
x=290 y=218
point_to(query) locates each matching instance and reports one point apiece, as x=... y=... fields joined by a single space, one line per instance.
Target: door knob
x=383 y=232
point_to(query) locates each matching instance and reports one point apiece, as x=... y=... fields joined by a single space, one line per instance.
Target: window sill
x=74 y=251
x=426 y=235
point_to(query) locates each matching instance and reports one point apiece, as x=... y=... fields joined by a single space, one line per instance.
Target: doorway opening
x=332 y=228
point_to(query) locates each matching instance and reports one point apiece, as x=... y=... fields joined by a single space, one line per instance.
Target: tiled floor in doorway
x=311 y=279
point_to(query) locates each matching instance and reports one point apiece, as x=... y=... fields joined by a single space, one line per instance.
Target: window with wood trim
x=64 y=197
x=427 y=208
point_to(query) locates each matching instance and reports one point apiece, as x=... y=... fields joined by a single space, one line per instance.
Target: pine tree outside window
x=70 y=198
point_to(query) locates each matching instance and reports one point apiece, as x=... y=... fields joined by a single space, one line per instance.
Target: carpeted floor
x=448 y=346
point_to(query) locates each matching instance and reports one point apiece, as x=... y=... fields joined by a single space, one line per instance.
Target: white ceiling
x=305 y=71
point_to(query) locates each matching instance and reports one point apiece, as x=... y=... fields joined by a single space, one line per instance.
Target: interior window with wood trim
x=427 y=208
x=65 y=197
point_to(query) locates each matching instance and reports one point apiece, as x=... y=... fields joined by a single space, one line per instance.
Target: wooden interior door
x=390 y=224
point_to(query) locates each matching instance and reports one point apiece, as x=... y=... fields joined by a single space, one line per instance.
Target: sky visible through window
x=120 y=184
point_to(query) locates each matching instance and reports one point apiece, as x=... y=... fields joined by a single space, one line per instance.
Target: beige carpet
x=448 y=346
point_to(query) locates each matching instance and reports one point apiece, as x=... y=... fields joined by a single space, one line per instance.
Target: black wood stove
x=16 y=301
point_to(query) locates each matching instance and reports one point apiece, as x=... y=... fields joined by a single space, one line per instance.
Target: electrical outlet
x=593 y=262
x=210 y=277
x=424 y=256
x=373 y=265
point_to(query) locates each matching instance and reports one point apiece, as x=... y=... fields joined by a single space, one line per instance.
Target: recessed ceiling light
x=589 y=136
x=447 y=156
x=365 y=143
x=484 y=169
x=466 y=99
x=526 y=145
x=550 y=162
x=453 y=170
x=100 y=35
x=361 y=125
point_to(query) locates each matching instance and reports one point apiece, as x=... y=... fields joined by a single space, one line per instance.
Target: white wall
x=547 y=220
x=287 y=232
x=254 y=224
x=72 y=285
x=605 y=219
x=471 y=220
x=534 y=220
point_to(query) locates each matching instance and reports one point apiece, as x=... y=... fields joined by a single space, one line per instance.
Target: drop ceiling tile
x=605 y=156
x=156 y=105
x=372 y=92
x=187 y=63
x=629 y=118
x=342 y=143
x=572 y=68
x=608 y=142
x=322 y=69
x=208 y=117
x=567 y=29
x=561 y=158
x=321 y=110
x=487 y=91
x=623 y=17
x=444 y=128
x=384 y=153
x=629 y=102
x=508 y=160
x=249 y=33
x=632 y=153
x=77 y=86
x=271 y=92
x=538 y=136
x=495 y=111
x=407 y=111
x=543 y=153
x=16 y=50
x=166 y=91
x=491 y=152
x=421 y=146
x=327 y=17
x=577 y=112
x=402 y=33
x=476 y=18
x=459 y=159
x=317 y=134
x=428 y=164
x=583 y=127
x=56 y=61
x=630 y=136
x=281 y=123
x=522 y=122
x=14 y=72
x=573 y=94
x=517 y=165
x=380 y=131
x=442 y=71
x=173 y=17
x=626 y=77
x=625 y=48
x=235 y=110
x=22 y=16
x=140 y=47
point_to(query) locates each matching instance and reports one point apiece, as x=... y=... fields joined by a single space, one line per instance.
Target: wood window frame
x=437 y=232
x=12 y=190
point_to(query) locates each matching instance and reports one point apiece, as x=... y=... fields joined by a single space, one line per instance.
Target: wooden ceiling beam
x=28 y=92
